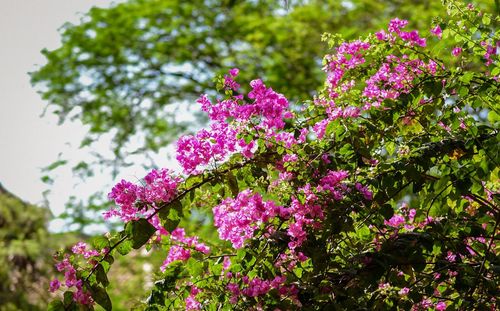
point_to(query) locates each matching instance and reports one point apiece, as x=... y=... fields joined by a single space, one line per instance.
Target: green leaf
x=193 y=181
x=495 y=71
x=124 y=248
x=232 y=183
x=493 y=117
x=387 y=211
x=169 y=224
x=467 y=77
x=100 y=242
x=101 y=297
x=390 y=147
x=56 y=305
x=68 y=298
x=140 y=232
x=170 y=216
x=248 y=138
x=55 y=165
x=194 y=267
x=109 y=259
x=101 y=275
x=486 y=19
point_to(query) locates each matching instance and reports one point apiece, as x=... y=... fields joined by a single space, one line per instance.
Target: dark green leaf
x=100 y=242
x=100 y=296
x=232 y=183
x=140 y=232
x=56 y=305
x=101 y=275
x=387 y=211
x=125 y=247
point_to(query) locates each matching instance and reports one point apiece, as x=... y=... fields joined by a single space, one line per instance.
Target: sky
x=27 y=141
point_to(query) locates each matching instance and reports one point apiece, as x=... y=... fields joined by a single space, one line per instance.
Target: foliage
x=129 y=72
x=24 y=256
x=382 y=192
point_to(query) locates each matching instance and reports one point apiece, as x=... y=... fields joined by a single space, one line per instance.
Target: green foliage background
x=129 y=70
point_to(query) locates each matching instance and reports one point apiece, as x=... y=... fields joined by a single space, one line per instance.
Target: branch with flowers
x=382 y=191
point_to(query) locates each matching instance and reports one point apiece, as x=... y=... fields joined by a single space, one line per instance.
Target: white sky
x=27 y=142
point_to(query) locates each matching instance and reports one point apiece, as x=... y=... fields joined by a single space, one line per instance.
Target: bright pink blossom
x=441 y=306
x=396 y=221
x=191 y=302
x=237 y=219
x=404 y=291
x=54 y=285
x=436 y=31
x=456 y=51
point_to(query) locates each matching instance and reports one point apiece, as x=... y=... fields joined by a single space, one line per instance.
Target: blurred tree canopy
x=122 y=68
x=132 y=71
x=26 y=263
x=24 y=254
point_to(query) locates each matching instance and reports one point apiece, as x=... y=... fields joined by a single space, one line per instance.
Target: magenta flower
x=441 y=306
x=436 y=31
x=396 y=221
x=456 y=51
x=54 y=285
x=237 y=219
x=234 y=72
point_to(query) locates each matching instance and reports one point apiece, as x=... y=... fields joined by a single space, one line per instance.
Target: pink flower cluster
x=232 y=117
x=258 y=287
x=237 y=219
x=427 y=304
x=81 y=296
x=191 y=302
x=81 y=249
x=367 y=194
x=229 y=82
x=394 y=77
x=182 y=249
x=332 y=182
x=304 y=215
x=490 y=51
x=208 y=145
x=436 y=31
x=412 y=37
x=348 y=57
x=288 y=261
x=333 y=112
x=404 y=219
x=160 y=187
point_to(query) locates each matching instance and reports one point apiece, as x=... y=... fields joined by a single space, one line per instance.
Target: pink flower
x=404 y=291
x=396 y=221
x=436 y=31
x=54 y=285
x=451 y=257
x=191 y=302
x=441 y=306
x=237 y=219
x=396 y=24
x=234 y=72
x=226 y=264
x=176 y=252
x=367 y=194
x=381 y=35
x=81 y=249
x=456 y=51
x=230 y=84
x=161 y=186
x=426 y=303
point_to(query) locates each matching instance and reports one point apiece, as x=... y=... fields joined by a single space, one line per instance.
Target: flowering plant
x=380 y=192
